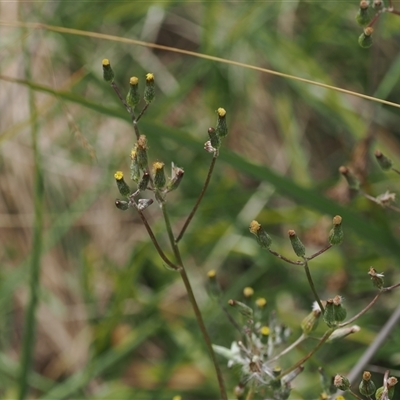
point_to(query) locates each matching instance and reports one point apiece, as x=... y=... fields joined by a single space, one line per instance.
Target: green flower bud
x=121 y=184
x=175 y=180
x=246 y=311
x=334 y=311
x=133 y=96
x=277 y=383
x=298 y=246
x=365 y=39
x=377 y=279
x=143 y=183
x=339 y=310
x=135 y=169
x=159 y=175
x=263 y=239
x=341 y=382
x=384 y=162
x=367 y=386
x=222 y=128
x=351 y=179
x=149 y=91
x=363 y=16
x=329 y=315
x=215 y=140
x=310 y=323
x=141 y=152
x=336 y=233
x=121 y=205
x=108 y=73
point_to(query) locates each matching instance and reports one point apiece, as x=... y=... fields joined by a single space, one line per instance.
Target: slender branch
x=374 y=19
x=288 y=260
x=389 y=288
x=118 y=92
x=324 y=338
x=377 y=201
x=274 y=253
x=300 y=339
x=142 y=112
x=395 y=169
x=230 y=318
x=363 y=311
x=191 y=215
x=250 y=394
x=155 y=242
x=319 y=252
x=312 y=286
x=193 y=301
x=354 y=394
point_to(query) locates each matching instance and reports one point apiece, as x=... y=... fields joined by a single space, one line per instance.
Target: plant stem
x=250 y=394
x=191 y=215
x=354 y=395
x=155 y=242
x=37 y=243
x=311 y=283
x=324 y=338
x=300 y=339
x=363 y=311
x=193 y=301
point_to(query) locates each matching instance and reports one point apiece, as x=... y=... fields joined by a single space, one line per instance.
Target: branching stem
x=191 y=215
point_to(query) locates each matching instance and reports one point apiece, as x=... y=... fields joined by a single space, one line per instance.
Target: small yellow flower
x=149 y=77
x=119 y=175
x=248 y=291
x=261 y=302
x=105 y=62
x=265 y=331
x=134 y=80
x=254 y=227
x=158 y=165
x=212 y=273
x=221 y=112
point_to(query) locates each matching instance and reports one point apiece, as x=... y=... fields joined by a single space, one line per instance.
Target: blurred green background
x=112 y=322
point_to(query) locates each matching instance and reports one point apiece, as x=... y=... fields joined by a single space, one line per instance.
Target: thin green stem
x=396 y=170
x=142 y=112
x=363 y=311
x=191 y=215
x=155 y=242
x=288 y=260
x=355 y=395
x=300 y=339
x=250 y=394
x=37 y=245
x=324 y=338
x=312 y=286
x=128 y=108
x=192 y=300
